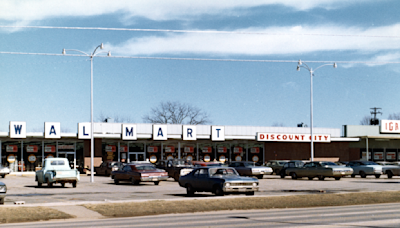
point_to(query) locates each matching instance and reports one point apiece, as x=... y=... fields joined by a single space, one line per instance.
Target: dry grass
x=295 y=201
x=30 y=214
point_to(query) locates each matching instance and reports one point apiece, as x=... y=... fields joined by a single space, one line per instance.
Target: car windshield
x=224 y=172
x=250 y=164
x=145 y=167
x=328 y=163
x=368 y=163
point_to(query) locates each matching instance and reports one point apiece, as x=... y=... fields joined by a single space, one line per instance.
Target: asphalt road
x=24 y=188
x=379 y=215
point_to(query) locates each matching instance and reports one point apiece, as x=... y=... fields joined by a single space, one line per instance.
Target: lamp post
x=91 y=55
x=311 y=70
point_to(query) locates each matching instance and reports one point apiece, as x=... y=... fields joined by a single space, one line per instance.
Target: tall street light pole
x=311 y=70
x=91 y=55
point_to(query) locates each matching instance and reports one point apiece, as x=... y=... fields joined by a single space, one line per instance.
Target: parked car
x=276 y=165
x=364 y=168
x=107 y=167
x=3 y=191
x=251 y=169
x=290 y=164
x=57 y=170
x=174 y=167
x=391 y=169
x=319 y=169
x=218 y=180
x=4 y=171
x=139 y=172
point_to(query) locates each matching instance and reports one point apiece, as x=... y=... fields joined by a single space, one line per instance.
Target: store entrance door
x=136 y=156
x=70 y=156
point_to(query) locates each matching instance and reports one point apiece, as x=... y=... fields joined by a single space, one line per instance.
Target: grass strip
x=246 y=203
x=30 y=214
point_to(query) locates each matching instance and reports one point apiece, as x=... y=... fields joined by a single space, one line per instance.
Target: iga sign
x=283 y=137
x=390 y=126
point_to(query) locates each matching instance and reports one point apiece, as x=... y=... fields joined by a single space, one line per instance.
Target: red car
x=139 y=172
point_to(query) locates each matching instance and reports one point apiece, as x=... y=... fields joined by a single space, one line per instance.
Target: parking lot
x=24 y=188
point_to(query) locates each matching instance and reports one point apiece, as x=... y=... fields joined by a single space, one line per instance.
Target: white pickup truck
x=57 y=170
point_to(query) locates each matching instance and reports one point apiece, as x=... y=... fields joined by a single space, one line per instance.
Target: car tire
x=389 y=174
x=353 y=175
x=362 y=174
x=293 y=175
x=3 y=176
x=74 y=184
x=136 y=182
x=277 y=171
x=283 y=175
x=189 y=190
x=310 y=178
x=107 y=174
x=320 y=177
x=218 y=191
x=63 y=185
x=156 y=182
x=249 y=193
x=337 y=178
x=1 y=201
x=377 y=175
x=39 y=184
x=49 y=184
x=260 y=176
x=116 y=181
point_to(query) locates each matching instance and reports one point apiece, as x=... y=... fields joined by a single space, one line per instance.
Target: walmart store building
x=24 y=151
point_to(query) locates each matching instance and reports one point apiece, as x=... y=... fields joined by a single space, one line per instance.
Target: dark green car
x=218 y=180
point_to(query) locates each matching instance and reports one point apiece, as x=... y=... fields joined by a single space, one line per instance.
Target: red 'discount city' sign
x=123 y=148
x=255 y=150
x=283 y=137
x=221 y=149
x=169 y=149
x=110 y=148
x=206 y=149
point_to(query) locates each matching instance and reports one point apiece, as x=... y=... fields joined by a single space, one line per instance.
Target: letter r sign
x=189 y=132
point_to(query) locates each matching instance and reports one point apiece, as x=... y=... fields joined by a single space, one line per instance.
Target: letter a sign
x=52 y=130
x=160 y=132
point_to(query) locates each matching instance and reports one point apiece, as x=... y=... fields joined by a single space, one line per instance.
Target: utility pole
x=375 y=121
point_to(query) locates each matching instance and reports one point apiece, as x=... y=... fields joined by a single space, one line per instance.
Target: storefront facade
x=23 y=151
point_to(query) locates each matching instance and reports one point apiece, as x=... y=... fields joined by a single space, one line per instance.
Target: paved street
x=375 y=215
x=24 y=188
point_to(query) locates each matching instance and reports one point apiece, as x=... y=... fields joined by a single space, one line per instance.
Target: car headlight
x=254 y=184
x=227 y=185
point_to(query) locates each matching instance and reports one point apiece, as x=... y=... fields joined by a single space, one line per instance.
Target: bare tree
x=394 y=116
x=176 y=113
x=365 y=120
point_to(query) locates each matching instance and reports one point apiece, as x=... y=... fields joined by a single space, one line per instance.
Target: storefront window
x=170 y=151
x=256 y=153
x=189 y=151
x=223 y=153
x=137 y=152
x=239 y=152
x=11 y=154
x=154 y=152
x=206 y=152
x=32 y=155
x=391 y=154
x=109 y=151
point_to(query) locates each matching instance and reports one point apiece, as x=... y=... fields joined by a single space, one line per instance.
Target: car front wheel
x=293 y=175
x=320 y=177
x=377 y=175
x=363 y=175
x=389 y=174
x=337 y=178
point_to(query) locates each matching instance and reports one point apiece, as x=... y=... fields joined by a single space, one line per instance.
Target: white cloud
x=34 y=10
x=292 y=41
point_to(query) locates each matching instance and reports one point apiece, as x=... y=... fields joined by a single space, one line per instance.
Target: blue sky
x=39 y=89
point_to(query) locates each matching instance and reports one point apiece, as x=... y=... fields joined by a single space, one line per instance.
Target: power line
x=197 y=31
x=202 y=59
